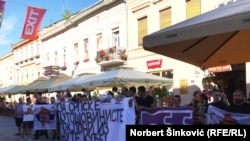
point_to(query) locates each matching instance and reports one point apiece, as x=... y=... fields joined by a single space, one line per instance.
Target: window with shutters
x=99 y=41
x=76 y=52
x=48 y=60
x=37 y=49
x=86 y=49
x=31 y=51
x=26 y=53
x=64 y=57
x=56 y=58
x=116 y=38
x=142 y=29
x=165 y=18
x=193 y=8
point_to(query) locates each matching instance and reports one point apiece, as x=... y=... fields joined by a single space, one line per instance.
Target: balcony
x=51 y=70
x=111 y=56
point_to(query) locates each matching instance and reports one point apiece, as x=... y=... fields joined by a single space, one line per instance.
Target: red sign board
x=152 y=64
x=220 y=69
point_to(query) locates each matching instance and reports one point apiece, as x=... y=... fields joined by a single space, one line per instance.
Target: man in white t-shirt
x=28 y=118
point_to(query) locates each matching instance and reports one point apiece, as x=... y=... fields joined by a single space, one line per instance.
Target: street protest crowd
x=24 y=111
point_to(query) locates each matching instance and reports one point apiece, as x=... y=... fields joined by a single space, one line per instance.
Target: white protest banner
x=95 y=121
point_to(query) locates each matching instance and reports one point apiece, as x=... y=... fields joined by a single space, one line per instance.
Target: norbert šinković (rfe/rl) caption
x=207 y=132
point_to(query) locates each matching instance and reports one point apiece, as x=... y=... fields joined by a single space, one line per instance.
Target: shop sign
x=220 y=69
x=152 y=64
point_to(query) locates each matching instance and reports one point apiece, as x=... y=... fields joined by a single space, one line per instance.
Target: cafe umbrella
x=215 y=38
x=123 y=77
x=53 y=80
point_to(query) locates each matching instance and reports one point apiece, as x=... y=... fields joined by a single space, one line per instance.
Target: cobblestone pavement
x=2 y=138
x=8 y=129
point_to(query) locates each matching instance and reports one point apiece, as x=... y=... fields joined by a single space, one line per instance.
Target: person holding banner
x=28 y=118
x=177 y=101
x=239 y=104
x=55 y=133
x=144 y=101
x=203 y=106
x=195 y=103
x=217 y=94
x=40 y=101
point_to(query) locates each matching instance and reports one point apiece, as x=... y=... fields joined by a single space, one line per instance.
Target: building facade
x=90 y=41
x=148 y=16
x=106 y=35
x=7 y=69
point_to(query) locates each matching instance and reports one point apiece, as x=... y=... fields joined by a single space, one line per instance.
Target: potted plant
x=76 y=63
x=101 y=52
x=107 y=57
x=47 y=72
x=86 y=60
x=123 y=57
x=111 y=50
x=63 y=68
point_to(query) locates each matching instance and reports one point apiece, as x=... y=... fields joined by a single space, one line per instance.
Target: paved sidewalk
x=8 y=129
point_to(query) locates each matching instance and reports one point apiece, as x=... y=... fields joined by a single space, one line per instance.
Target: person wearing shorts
x=18 y=112
x=28 y=118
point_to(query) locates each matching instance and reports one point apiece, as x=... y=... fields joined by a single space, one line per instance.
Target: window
x=167 y=74
x=64 y=57
x=48 y=60
x=17 y=56
x=38 y=73
x=21 y=54
x=156 y=73
x=22 y=79
x=142 y=29
x=165 y=18
x=193 y=8
x=99 y=41
x=56 y=58
x=164 y=73
x=86 y=50
x=27 y=75
x=31 y=51
x=115 y=37
x=32 y=75
x=76 y=52
x=37 y=49
x=26 y=53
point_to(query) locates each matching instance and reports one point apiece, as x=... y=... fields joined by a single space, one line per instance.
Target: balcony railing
x=51 y=70
x=111 y=54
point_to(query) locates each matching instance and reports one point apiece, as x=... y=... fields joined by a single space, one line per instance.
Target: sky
x=15 y=14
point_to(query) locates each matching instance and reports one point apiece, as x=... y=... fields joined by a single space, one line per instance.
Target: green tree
x=66 y=14
x=160 y=92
